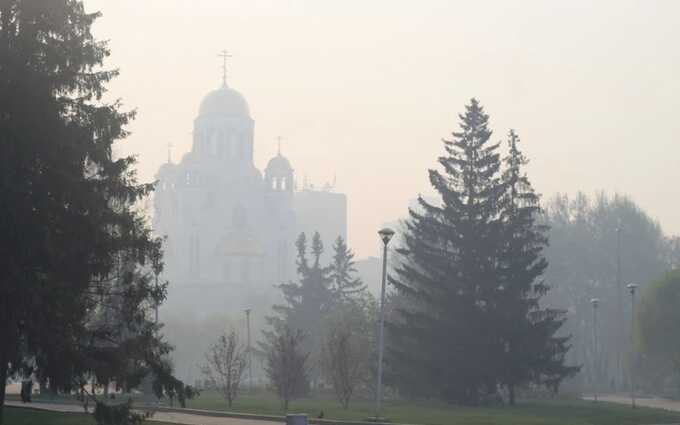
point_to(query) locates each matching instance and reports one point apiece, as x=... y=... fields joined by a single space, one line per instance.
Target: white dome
x=224 y=101
x=279 y=165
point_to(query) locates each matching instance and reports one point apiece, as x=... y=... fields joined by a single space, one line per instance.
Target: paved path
x=658 y=403
x=170 y=417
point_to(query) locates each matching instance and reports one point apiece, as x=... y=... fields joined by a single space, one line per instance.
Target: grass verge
x=549 y=412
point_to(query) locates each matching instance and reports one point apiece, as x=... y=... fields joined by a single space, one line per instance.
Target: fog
x=464 y=202
x=365 y=90
x=362 y=93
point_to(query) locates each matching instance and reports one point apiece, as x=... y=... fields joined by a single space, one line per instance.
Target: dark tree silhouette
x=468 y=279
x=70 y=209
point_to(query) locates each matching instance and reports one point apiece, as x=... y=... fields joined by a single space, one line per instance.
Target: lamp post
x=250 y=362
x=632 y=287
x=385 y=235
x=596 y=364
x=619 y=307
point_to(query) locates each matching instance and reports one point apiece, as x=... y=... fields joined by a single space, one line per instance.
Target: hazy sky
x=367 y=89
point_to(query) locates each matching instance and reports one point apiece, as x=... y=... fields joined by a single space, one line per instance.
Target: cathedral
x=229 y=228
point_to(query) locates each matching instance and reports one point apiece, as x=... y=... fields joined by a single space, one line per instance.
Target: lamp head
x=386 y=235
x=632 y=287
x=595 y=302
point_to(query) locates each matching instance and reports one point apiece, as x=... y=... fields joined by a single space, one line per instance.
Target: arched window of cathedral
x=283 y=184
x=187 y=178
x=213 y=144
x=245 y=270
x=220 y=145
x=234 y=147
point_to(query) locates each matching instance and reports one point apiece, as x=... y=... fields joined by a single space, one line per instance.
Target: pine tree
x=345 y=285
x=443 y=339
x=69 y=207
x=530 y=351
x=307 y=301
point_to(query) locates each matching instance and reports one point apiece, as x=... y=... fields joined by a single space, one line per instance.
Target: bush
x=118 y=414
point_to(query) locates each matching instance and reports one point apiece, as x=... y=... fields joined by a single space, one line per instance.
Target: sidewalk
x=170 y=417
x=658 y=403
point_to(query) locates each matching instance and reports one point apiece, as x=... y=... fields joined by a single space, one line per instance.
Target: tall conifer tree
x=447 y=270
x=70 y=209
x=529 y=350
x=307 y=301
x=471 y=272
x=343 y=273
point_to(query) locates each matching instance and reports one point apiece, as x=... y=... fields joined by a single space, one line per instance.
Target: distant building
x=230 y=228
x=369 y=271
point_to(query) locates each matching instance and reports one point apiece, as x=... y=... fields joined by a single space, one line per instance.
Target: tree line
x=598 y=245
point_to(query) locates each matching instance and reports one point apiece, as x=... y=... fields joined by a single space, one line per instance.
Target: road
x=170 y=417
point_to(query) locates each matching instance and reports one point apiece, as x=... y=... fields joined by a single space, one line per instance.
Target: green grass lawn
x=19 y=416
x=553 y=412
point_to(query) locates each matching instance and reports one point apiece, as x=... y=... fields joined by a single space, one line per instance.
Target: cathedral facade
x=229 y=227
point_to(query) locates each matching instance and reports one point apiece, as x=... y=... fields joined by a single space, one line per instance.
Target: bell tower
x=278 y=175
x=223 y=129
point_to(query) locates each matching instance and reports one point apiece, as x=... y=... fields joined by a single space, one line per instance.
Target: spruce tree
x=309 y=299
x=443 y=338
x=69 y=208
x=307 y=302
x=345 y=285
x=530 y=351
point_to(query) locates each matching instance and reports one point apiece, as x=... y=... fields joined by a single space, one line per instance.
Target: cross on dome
x=170 y=146
x=224 y=55
x=278 y=140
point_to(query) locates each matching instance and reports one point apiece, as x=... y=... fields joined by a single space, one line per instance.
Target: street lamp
x=632 y=287
x=619 y=306
x=596 y=364
x=385 y=235
x=250 y=361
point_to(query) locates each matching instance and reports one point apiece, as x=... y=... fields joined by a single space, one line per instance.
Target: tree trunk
x=511 y=393
x=3 y=383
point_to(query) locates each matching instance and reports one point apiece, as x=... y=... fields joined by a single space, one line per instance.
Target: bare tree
x=287 y=364
x=344 y=357
x=225 y=363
